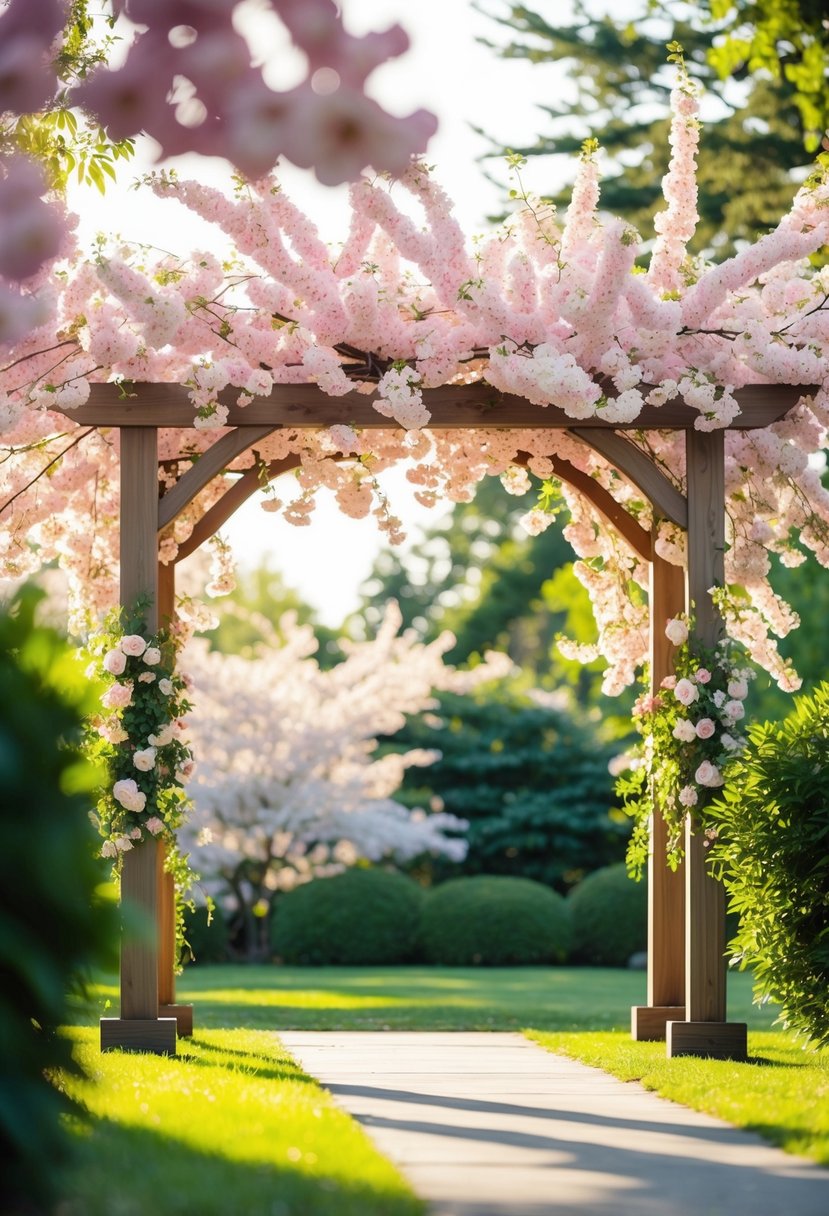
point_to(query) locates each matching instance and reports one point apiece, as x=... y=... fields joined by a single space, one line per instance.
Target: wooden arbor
x=686 y=992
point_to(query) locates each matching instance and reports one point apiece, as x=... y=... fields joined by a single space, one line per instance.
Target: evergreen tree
x=753 y=141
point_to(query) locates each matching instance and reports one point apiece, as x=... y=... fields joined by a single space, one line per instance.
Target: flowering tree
x=190 y=81
x=553 y=312
x=288 y=781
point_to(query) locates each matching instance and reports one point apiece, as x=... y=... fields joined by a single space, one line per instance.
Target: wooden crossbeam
x=451 y=406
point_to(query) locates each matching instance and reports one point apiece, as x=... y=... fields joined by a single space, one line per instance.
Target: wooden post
x=139 y=1027
x=167 y=1007
x=705 y=1032
x=666 y=888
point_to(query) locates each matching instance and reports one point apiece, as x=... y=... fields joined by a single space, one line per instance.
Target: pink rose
x=155 y=825
x=152 y=655
x=115 y=662
x=703 y=675
x=668 y=682
x=705 y=728
x=734 y=710
x=738 y=689
x=676 y=631
x=686 y=692
x=163 y=737
x=146 y=677
x=133 y=644
x=709 y=775
x=688 y=796
x=117 y=697
x=166 y=686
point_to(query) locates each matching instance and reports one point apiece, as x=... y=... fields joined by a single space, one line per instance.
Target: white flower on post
x=144 y=759
x=676 y=631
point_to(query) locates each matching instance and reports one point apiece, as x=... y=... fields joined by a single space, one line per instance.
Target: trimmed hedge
x=494 y=921
x=358 y=918
x=609 y=912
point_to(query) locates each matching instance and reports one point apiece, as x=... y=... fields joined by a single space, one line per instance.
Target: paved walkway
x=493 y=1125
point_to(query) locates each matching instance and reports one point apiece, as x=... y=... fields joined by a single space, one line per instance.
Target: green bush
x=54 y=925
x=206 y=943
x=773 y=856
x=609 y=913
x=494 y=921
x=361 y=917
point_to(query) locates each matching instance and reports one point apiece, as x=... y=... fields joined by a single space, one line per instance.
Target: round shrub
x=358 y=918
x=494 y=921
x=773 y=824
x=206 y=943
x=609 y=912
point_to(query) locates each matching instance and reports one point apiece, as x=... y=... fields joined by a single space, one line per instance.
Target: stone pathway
x=493 y=1125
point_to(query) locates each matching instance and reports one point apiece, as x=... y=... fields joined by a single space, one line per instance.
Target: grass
x=782 y=1093
x=233 y=1115
x=230 y=1124
x=423 y=998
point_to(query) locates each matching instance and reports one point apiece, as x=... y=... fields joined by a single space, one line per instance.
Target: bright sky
x=445 y=71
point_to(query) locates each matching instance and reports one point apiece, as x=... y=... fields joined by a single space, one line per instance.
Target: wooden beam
x=237 y=493
x=451 y=406
x=705 y=963
x=139 y=1027
x=607 y=506
x=666 y=888
x=668 y=501
x=210 y=463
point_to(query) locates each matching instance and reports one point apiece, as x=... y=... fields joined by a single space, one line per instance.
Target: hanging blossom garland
x=556 y=311
x=140 y=738
x=690 y=731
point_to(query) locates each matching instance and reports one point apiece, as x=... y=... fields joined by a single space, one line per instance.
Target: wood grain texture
x=139 y=521
x=666 y=888
x=715 y=1040
x=648 y=1022
x=157 y=1035
x=668 y=501
x=139 y=949
x=451 y=406
x=166 y=915
x=237 y=493
x=705 y=961
x=212 y=462
x=183 y=1015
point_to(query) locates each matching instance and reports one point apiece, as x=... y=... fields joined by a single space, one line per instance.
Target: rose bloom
x=705 y=728
x=729 y=743
x=703 y=675
x=152 y=655
x=117 y=697
x=688 y=796
x=709 y=775
x=108 y=849
x=684 y=730
x=734 y=710
x=155 y=825
x=129 y=795
x=144 y=760
x=115 y=662
x=147 y=677
x=166 y=686
x=668 y=682
x=164 y=736
x=686 y=692
x=133 y=644
x=676 y=631
x=738 y=689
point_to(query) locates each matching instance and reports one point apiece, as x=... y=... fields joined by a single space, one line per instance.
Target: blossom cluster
x=553 y=310
x=297 y=785
x=141 y=737
x=691 y=727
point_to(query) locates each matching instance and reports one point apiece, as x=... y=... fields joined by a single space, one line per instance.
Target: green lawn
x=423 y=998
x=232 y=1114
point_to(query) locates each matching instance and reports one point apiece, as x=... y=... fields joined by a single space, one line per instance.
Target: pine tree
x=752 y=145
